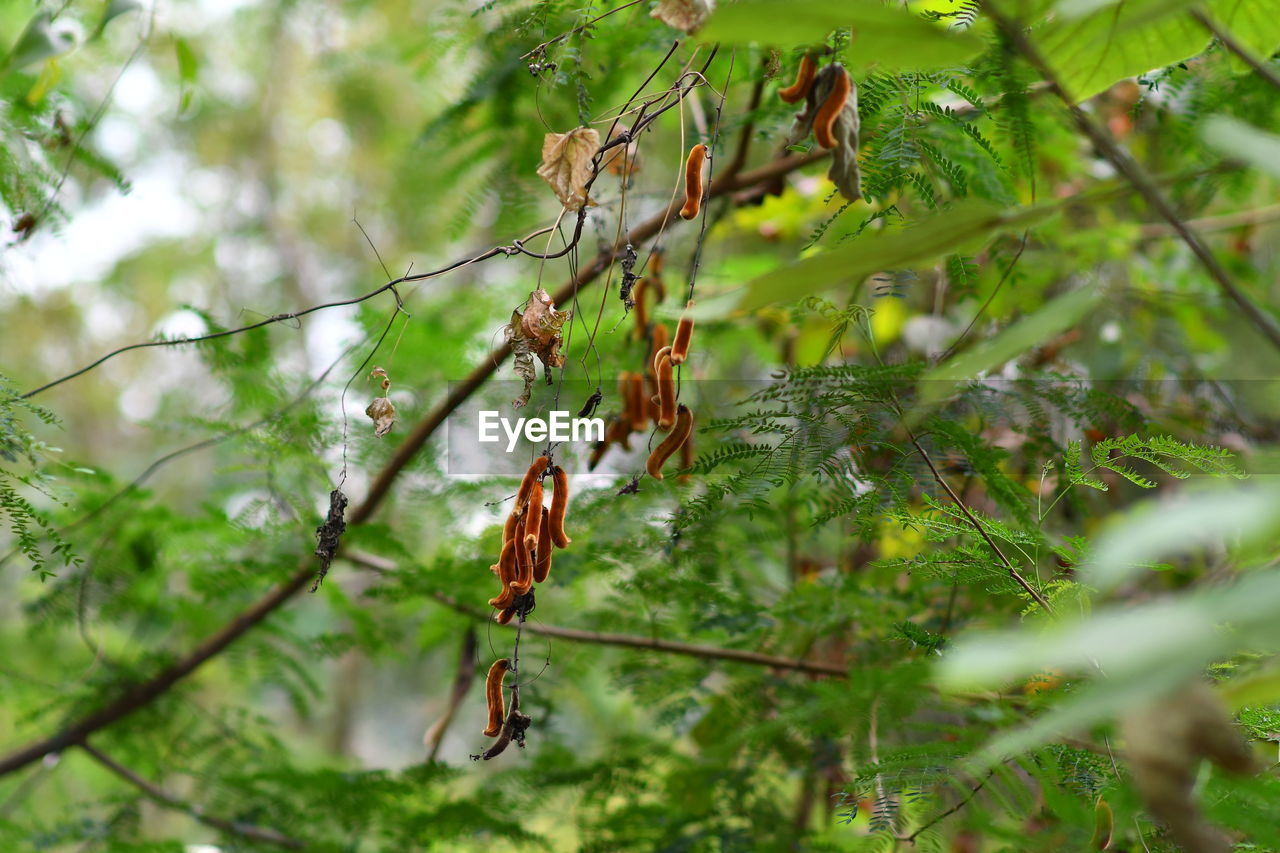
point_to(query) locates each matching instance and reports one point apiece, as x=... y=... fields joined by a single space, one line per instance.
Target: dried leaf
x=844 y=171
x=329 y=534
x=566 y=164
x=684 y=15
x=383 y=415
x=535 y=331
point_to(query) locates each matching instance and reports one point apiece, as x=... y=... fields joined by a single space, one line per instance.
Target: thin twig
x=911 y=839
x=546 y=44
x=434 y=736
x=1249 y=58
x=158 y=795
x=1135 y=174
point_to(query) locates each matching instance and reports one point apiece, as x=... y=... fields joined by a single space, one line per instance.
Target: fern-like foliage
x=1173 y=457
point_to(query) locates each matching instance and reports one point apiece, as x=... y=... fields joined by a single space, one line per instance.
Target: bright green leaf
x=1241 y=141
x=883 y=36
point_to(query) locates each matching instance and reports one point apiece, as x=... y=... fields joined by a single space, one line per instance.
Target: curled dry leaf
x=535 y=331
x=685 y=15
x=844 y=172
x=383 y=415
x=566 y=164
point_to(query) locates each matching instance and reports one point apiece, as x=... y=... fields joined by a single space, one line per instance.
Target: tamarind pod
x=624 y=393
x=493 y=696
x=639 y=411
x=508 y=572
x=524 y=565
x=533 y=516
x=797 y=91
x=505 y=616
x=666 y=390
x=656 y=261
x=597 y=453
x=509 y=529
x=542 y=564
x=678 y=436
x=534 y=473
x=686 y=459
x=1103 y=825
x=559 y=503
x=658 y=340
x=641 y=308
x=655 y=411
x=659 y=288
x=825 y=120
x=618 y=431
x=693 y=181
x=684 y=334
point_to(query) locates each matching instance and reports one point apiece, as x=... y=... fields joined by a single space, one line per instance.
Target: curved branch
x=143 y=693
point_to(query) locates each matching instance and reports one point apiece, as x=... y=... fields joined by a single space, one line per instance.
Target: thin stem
x=1229 y=42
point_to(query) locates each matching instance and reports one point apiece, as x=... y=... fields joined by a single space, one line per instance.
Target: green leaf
x=38 y=42
x=960 y=228
x=1158 y=529
x=1059 y=315
x=188 y=67
x=883 y=36
x=1241 y=141
x=114 y=9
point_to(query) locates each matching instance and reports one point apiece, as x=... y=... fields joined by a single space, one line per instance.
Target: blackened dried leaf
x=383 y=415
x=535 y=331
x=329 y=534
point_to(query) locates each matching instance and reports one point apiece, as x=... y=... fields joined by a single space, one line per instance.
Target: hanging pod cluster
x=529 y=535
x=830 y=113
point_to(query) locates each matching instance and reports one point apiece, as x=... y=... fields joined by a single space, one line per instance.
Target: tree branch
x=1228 y=41
x=1135 y=174
x=143 y=693
x=158 y=795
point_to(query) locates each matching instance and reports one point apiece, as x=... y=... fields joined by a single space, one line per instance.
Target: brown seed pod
x=693 y=181
x=624 y=394
x=618 y=431
x=684 y=334
x=639 y=411
x=656 y=261
x=797 y=91
x=1103 y=825
x=534 y=473
x=559 y=503
x=659 y=339
x=678 y=436
x=493 y=695
x=642 y=308
x=505 y=616
x=542 y=560
x=509 y=529
x=686 y=459
x=666 y=389
x=533 y=515
x=508 y=572
x=825 y=119
x=524 y=565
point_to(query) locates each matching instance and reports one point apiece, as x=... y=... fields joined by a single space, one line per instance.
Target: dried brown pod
x=660 y=338
x=639 y=411
x=509 y=529
x=684 y=334
x=686 y=459
x=508 y=572
x=534 y=474
x=797 y=91
x=618 y=431
x=1103 y=825
x=542 y=559
x=824 y=121
x=656 y=261
x=693 y=181
x=533 y=514
x=559 y=504
x=524 y=565
x=505 y=616
x=641 y=309
x=666 y=389
x=493 y=695
x=678 y=436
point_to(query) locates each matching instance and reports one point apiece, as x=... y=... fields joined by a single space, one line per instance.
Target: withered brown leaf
x=535 y=331
x=685 y=15
x=844 y=171
x=566 y=164
x=383 y=415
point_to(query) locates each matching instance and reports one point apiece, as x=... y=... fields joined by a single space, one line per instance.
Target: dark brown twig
x=1126 y=166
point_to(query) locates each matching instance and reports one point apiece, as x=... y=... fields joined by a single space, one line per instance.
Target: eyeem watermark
x=557 y=426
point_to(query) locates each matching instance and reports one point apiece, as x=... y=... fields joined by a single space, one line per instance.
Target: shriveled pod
x=678 y=436
x=542 y=558
x=534 y=473
x=684 y=334
x=666 y=389
x=559 y=505
x=508 y=572
x=493 y=696
x=693 y=181
x=639 y=411
x=797 y=91
x=824 y=121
